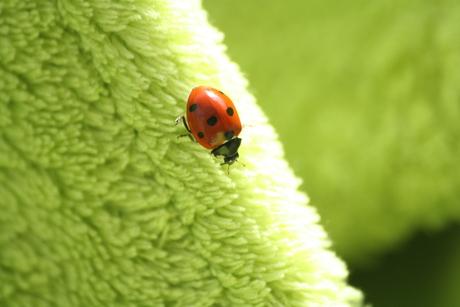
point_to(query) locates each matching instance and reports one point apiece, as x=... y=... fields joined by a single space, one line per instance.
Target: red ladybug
x=212 y=121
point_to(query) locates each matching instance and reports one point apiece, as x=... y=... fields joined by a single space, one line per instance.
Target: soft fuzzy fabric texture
x=102 y=205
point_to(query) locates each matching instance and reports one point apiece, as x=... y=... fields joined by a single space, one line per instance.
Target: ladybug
x=213 y=122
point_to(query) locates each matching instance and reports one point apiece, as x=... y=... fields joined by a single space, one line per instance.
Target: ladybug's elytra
x=213 y=122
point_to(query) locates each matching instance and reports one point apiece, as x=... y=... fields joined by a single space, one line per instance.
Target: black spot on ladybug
x=230 y=111
x=193 y=107
x=221 y=92
x=212 y=121
x=200 y=135
x=229 y=135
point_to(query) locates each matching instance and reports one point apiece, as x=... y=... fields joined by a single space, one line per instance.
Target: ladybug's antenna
x=241 y=163
x=228 y=170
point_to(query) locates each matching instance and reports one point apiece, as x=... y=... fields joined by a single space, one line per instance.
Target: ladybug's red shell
x=212 y=117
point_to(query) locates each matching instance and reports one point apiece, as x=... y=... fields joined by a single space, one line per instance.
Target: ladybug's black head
x=228 y=151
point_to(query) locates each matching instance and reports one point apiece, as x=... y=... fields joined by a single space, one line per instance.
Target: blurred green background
x=365 y=98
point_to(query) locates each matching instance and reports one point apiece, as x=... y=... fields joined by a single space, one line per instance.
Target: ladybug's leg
x=189 y=136
x=186 y=127
x=182 y=117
